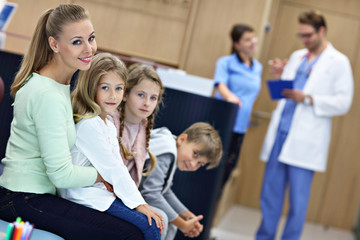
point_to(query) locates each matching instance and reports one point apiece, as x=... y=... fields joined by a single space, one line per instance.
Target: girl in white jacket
x=100 y=91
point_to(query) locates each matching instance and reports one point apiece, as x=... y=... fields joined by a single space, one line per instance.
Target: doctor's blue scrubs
x=279 y=175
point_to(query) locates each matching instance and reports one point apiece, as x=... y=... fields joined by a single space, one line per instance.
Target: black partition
x=9 y=64
x=199 y=190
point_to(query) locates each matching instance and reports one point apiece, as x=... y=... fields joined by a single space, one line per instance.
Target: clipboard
x=7 y=10
x=277 y=86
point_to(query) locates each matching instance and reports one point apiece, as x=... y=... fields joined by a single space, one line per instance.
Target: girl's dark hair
x=237 y=32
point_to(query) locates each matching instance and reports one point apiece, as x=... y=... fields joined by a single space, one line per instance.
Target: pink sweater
x=134 y=139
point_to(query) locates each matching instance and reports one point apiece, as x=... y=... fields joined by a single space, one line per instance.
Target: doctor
x=298 y=137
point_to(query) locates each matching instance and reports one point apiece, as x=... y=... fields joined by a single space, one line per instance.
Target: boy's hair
x=39 y=53
x=83 y=96
x=203 y=133
x=137 y=73
x=313 y=18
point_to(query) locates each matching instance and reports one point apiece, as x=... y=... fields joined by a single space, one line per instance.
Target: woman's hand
x=108 y=186
x=151 y=214
x=228 y=95
x=99 y=178
x=234 y=99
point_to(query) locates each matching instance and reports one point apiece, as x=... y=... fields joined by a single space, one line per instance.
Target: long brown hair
x=39 y=53
x=83 y=96
x=137 y=73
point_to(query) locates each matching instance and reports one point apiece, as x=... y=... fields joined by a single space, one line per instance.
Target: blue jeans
x=119 y=210
x=64 y=218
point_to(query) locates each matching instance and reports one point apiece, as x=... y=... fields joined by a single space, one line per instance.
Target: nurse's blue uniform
x=244 y=81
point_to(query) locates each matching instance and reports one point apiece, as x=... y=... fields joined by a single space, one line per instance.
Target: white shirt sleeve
x=99 y=144
x=339 y=97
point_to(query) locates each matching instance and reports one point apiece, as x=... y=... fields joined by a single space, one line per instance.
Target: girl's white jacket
x=330 y=84
x=97 y=145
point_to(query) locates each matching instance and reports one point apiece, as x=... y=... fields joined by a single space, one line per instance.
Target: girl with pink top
x=135 y=119
x=134 y=122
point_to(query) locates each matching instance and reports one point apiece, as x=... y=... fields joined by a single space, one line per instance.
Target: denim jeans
x=64 y=218
x=119 y=210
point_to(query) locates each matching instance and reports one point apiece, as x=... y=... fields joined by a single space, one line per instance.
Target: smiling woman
x=73 y=50
x=42 y=133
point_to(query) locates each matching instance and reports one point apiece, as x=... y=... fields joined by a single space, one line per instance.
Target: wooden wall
x=192 y=34
x=189 y=34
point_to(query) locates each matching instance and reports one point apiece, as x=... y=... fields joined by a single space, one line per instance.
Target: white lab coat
x=331 y=86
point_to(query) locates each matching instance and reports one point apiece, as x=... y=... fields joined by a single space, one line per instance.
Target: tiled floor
x=240 y=223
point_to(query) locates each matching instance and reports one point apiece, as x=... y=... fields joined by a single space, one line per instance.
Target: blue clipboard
x=277 y=86
x=6 y=11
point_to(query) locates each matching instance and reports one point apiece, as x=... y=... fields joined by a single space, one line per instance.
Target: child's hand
x=198 y=227
x=149 y=213
x=192 y=225
x=186 y=215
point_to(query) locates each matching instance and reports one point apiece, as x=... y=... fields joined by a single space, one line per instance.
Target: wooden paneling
x=210 y=38
x=348 y=7
x=252 y=168
x=157 y=30
x=24 y=21
x=152 y=29
x=341 y=198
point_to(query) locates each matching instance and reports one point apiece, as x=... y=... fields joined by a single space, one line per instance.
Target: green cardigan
x=38 y=158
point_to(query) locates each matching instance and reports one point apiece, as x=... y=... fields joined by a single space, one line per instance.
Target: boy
x=197 y=146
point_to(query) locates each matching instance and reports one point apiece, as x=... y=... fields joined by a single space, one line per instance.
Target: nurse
x=238 y=80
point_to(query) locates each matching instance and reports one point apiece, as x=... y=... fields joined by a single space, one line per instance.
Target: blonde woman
x=38 y=156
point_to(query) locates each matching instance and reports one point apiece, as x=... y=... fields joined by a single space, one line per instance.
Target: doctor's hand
x=277 y=67
x=294 y=94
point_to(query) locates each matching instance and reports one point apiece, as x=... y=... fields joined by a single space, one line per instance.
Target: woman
x=38 y=156
x=237 y=80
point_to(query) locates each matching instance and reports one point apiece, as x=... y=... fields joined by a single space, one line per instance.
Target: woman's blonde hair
x=137 y=73
x=83 y=96
x=39 y=53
